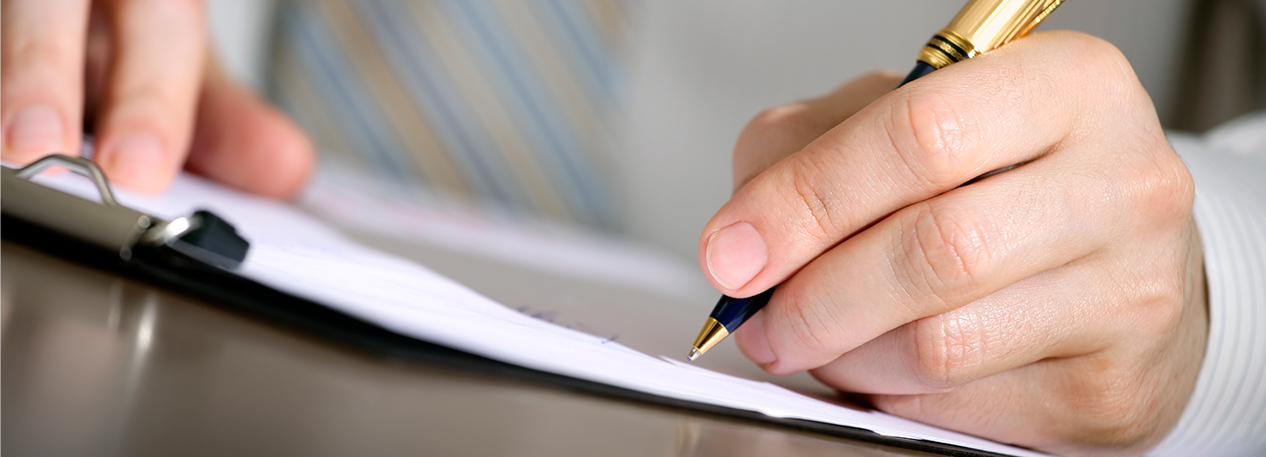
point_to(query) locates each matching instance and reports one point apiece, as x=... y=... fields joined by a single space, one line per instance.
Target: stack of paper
x=298 y=254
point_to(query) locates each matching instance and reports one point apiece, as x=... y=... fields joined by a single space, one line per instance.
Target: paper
x=298 y=254
x=412 y=215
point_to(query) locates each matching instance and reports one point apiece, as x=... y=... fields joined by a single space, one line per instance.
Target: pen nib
x=694 y=354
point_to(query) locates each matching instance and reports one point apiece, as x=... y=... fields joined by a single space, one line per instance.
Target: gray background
x=703 y=68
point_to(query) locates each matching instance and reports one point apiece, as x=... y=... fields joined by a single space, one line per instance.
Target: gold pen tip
x=694 y=354
x=712 y=333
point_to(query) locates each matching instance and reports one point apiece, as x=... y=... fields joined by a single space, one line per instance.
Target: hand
x=138 y=74
x=1058 y=305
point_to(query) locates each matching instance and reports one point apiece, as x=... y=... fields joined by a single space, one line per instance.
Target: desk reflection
x=98 y=365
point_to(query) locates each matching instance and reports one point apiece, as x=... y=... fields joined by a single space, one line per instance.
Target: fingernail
x=735 y=255
x=136 y=161
x=752 y=341
x=35 y=130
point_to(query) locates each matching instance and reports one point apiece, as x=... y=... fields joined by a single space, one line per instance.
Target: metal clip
x=202 y=235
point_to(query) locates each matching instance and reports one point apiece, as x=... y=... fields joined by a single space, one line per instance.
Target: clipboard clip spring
x=110 y=225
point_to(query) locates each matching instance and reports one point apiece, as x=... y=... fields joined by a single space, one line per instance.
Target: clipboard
x=108 y=225
x=198 y=254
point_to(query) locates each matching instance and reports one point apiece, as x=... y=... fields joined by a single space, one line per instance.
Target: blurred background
x=694 y=73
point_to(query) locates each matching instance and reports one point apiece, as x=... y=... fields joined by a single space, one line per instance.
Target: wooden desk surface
x=98 y=365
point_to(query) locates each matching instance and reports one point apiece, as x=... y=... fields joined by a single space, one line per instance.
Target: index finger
x=908 y=146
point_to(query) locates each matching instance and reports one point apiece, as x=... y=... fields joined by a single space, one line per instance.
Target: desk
x=98 y=365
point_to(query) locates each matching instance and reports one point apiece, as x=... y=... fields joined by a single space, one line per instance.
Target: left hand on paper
x=142 y=78
x=1057 y=305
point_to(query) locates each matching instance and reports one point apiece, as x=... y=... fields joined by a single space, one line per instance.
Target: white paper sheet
x=297 y=254
x=362 y=204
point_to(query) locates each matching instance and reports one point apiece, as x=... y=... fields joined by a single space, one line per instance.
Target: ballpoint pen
x=981 y=26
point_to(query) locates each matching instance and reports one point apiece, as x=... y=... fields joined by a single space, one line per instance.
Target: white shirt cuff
x=1226 y=415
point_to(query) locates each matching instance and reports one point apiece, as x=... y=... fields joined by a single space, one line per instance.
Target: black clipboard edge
x=182 y=275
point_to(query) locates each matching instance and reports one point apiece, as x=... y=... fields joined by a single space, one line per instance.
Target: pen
x=981 y=26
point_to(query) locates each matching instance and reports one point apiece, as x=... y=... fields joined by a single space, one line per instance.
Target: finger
x=779 y=132
x=1063 y=312
x=1023 y=407
x=906 y=147
x=1016 y=326
x=243 y=142
x=928 y=259
x=1089 y=405
x=41 y=97
x=147 y=115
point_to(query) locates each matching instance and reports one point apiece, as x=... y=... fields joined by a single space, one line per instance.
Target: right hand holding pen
x=139 y=75
x=1058 y=305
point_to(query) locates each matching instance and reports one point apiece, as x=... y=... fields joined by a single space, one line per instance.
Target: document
x=415 y=215
x=298 y=254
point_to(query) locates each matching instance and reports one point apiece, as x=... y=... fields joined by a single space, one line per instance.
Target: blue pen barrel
x=920 y=70
x=732 y=312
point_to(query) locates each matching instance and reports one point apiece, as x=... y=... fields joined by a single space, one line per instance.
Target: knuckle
x=947 y=252
x=1158 y=303
x=933 y=138
x=1114 y=408
x=1162 y=315
x=811 y=326
x=1098 y=49
x=817 y=200
x=949 y=349
x=1164 y=187
x=1091 y=55
x=1096 y=59
x=1155 y=188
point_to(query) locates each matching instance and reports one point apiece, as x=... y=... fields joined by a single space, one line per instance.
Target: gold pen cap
x=983 y=25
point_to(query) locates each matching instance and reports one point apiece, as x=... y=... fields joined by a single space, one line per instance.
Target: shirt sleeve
x=1226 y=415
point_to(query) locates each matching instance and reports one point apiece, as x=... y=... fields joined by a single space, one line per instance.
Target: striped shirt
x=1226 y=415
x=506 y=103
